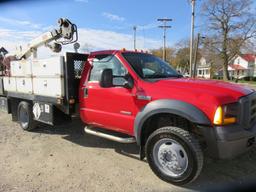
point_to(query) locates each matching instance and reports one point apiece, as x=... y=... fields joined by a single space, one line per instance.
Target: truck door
x=112 y=108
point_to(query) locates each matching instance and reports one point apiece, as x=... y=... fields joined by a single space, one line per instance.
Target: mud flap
x=4 y=104
x=43 y=112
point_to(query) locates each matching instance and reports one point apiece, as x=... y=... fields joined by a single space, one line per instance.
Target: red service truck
x=134 y=97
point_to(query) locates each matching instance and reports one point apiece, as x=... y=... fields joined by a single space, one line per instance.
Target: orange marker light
x=218 y=117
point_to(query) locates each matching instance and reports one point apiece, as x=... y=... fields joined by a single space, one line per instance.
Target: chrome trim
x=144 y=97
x=126 y=112
x=109 y=137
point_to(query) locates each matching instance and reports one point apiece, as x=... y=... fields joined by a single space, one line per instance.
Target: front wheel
x=174 y=155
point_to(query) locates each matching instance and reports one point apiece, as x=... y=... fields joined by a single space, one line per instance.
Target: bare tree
x=250 y=47
x=170 y=53
x=231 y=23
x=182 y=55
x=211 y=55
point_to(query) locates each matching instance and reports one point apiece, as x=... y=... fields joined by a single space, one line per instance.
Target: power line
x=164 y=27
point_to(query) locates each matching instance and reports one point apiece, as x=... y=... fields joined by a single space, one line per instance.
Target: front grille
x=252 y=111
x=248 y=111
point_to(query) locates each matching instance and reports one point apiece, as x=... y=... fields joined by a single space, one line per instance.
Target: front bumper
x=226 y=142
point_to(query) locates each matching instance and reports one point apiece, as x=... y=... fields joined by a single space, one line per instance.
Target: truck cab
x=173 y=119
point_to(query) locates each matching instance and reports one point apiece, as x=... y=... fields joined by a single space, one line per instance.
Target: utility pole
x=193 y=3
x=164 y=27
x=199 y=38
x=195 y=55
x=134 y=36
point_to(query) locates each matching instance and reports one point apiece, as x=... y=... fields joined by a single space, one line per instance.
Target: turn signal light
x=218 y=117
x=229 y=120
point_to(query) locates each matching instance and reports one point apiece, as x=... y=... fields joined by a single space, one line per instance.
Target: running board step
x=91 y=131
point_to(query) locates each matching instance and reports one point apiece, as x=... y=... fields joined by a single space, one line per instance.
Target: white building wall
x=204 y=73
x=241 y=61
x=203 y=70
x=250 y=67
x=202 y=61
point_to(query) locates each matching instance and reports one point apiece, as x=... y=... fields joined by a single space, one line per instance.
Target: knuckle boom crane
x=66 y=33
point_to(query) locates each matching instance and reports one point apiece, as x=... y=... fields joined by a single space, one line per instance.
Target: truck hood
x=222 y=91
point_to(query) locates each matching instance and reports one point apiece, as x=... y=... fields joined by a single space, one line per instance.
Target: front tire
x=25 y=116
x=174 y=155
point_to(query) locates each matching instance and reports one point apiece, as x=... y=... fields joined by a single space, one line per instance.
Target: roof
x=103 y=52
x=116 y=51
x=249 y=57
x=236 y=67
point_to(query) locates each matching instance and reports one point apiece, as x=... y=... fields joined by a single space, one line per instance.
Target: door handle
x=85 y=92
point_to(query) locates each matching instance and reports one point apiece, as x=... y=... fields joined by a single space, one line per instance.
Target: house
x=243 y=65
x=204 y=68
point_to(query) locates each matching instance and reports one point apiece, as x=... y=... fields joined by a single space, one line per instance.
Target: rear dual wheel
x=174 y=155
x=25 y=116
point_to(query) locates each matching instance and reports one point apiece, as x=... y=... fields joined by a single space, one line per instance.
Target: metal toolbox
x=21 y=68
x=52 y=87
x=10 y=84
x=24 y=85
x=50 y=67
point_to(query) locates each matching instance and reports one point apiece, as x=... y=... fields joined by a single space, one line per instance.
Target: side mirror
x=106 y=79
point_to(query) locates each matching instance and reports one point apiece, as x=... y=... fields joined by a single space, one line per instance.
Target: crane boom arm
x=65 y=34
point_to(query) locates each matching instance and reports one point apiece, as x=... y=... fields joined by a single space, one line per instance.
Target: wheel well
x=14 y=107
x=162 y=120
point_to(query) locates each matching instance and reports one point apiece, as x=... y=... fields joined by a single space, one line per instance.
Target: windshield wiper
x=155 y=76
x=162 y=76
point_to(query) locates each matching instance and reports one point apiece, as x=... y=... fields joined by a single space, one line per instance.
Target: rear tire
x=25 y=116
x=174 y=155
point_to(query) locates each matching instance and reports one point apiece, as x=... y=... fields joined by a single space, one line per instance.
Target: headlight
x=226 y=114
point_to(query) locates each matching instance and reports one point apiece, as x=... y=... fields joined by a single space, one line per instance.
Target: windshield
x=149 y=66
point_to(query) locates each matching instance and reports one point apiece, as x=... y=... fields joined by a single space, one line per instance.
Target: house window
x=238 y=61
x=199 y=72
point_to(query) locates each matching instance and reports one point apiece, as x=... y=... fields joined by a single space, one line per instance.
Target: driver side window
x=102 y=62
